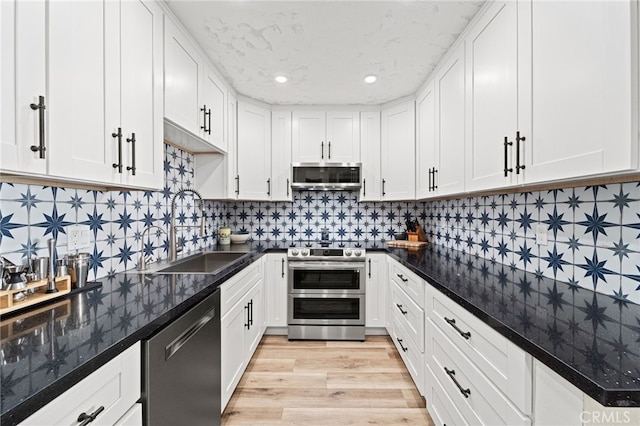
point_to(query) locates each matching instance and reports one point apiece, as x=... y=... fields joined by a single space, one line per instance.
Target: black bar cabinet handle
x=329 y=150
x=269 y=186
x=118 y=135
x=401 y=310
x=452 y=374
x=251 y=312
x=364 y=187
x=430 y=172
x=282 y=268
x=506 y=169
x=402 y=278
x=452 y=323
x=401 y=345
x=518 y=140
x=40 y=148
x=288 y=187
x=369 y=268
x=435 y=171
x=383 y=182
x=238 y=184
x=209 y=114
x=204 y=118
x=322 y=150
x=246 y=324
x=88 y=418
x=132 y=141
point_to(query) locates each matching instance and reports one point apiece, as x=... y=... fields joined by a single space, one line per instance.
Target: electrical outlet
x=78 y=237
x=541 y=234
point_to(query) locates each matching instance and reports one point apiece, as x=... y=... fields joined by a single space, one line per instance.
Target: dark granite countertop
x=588 y=338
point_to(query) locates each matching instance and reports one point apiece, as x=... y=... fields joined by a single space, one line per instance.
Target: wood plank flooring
x=326 y=383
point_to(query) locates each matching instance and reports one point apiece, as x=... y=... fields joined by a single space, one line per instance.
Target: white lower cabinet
x=115 y=386
x=275 y=289
x=241 y=325
x=133 y=417
x=376 y=290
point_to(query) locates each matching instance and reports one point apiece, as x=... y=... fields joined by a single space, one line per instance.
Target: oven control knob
x=304 y=252
x=347 y=252
x=294 y=252
x=357 y=253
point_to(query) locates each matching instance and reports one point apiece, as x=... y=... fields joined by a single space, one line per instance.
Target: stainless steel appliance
x=182 y=369
x=326 y=299
x=325 y=176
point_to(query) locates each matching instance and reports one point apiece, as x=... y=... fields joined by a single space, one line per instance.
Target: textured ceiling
x=325 y=48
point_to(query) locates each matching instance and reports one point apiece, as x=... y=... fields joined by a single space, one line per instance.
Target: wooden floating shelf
x=38 y=294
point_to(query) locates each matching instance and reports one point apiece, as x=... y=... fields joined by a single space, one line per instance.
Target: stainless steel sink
x=204 y=263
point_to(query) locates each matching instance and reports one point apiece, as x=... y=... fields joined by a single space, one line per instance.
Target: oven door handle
x=357 y=266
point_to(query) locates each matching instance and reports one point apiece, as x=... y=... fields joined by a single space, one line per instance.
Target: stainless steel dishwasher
x=182 y=369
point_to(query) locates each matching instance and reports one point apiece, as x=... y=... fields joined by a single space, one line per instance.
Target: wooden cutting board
x=407 y=244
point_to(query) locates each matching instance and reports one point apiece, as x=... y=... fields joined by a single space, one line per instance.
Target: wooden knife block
x=419 y=235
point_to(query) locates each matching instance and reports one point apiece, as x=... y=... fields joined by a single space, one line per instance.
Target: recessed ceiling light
x=281 y=79
x=370 y=79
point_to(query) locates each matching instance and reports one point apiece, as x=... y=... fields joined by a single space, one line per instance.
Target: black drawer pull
x=518 y=140
x=40 y=107
x=401 y=310
x=402 y=278
x=451 y=374
x=88 y=418
x=400 y=343
x=118 y=136
x=282 y=268
x=507 y=169
x=452 y=323
x=132 y=141
x=247 y=324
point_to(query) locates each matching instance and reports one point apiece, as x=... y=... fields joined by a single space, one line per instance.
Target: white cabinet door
x=376 y=288
x=8 y=141
x=232 y=152
x=76 y=91
x=449 y=176
x=426 y=143
x=233 y=361
x=28 y=38
x=255 y=305
x=581 y=80
x=343 y=136
x=370 y=143
x=114 y=386
x=254 y=152
x=492 y=98
x=398 y=152
x=141 y=93
x=309 y=143
x=213 y=128
x=183 y=77
x=281 y=155
x=275 y=294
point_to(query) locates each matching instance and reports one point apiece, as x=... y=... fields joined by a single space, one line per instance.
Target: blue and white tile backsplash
x=594 y=232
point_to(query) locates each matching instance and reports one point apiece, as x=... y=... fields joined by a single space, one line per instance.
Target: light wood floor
x=326 y=383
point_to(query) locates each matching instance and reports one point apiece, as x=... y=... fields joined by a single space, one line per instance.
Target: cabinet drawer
x=441 y=408
x=114 y=386
x=408 y=281
x=237 y=286
x=506 y=365
x=409 y=314
x=482 y=403
x=412 y=357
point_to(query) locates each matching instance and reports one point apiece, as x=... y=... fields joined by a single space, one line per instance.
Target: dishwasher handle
x=183 y=338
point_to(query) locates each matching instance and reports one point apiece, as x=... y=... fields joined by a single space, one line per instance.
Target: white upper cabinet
x=281 y=156
x=214 y=102
x=326 y=136
x=254 y=152
x=583 y=107
x=492 y=98
x=101 y=74
x=398 y=152
x=426 y=143
x=370 y=142
x=450 y=109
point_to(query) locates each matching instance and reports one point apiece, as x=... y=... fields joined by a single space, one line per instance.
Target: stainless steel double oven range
x=326 y=294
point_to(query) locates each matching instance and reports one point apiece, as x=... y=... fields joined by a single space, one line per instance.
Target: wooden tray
x=7 y=304
x=412 y=245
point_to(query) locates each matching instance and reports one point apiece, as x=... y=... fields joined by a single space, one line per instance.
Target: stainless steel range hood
x=327 y=176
